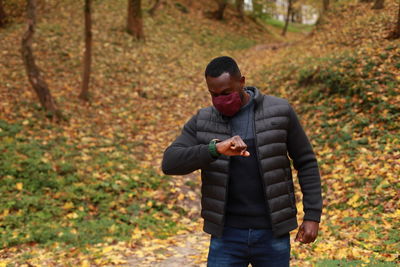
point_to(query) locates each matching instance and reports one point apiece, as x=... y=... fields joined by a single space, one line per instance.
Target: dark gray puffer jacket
x=279 y=135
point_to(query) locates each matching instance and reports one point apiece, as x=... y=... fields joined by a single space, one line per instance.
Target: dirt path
x=181 y=250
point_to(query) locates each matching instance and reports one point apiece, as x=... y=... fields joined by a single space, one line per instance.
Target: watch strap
x=212 y=147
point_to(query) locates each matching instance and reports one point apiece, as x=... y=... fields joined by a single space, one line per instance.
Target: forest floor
x=343 y=80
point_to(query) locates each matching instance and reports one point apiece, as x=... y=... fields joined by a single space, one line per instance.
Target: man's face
x=225 y=84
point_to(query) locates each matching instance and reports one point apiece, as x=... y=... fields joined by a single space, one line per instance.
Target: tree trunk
x=292 y=16
x=219 y=13
x=135 y=21
x=325 y=5
x=39 y=85
x=87 y=58
x=378 y=4
x=2 y=15
x=300 y=15
x=154 y=8
x=240 y=8
x=289 y=11
x=398 y=24
x=396 y=31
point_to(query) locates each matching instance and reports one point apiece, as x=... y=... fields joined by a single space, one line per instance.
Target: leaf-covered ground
x=91 y=191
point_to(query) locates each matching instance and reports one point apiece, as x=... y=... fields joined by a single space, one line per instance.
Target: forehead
x=225 y=80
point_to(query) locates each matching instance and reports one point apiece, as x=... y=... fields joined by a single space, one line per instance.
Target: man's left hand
x=308 y=232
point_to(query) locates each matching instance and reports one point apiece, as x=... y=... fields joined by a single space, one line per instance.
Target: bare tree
x=289 y=11
x=33 y=72
x=2 y=14
x=240 y=8
x=293 y=16
x=87 y=58
x=325 y=5
x=378 y=4
x=299 y=15
x=154 y=8
x=135 y=20
x=395 y=33
x=219 y=13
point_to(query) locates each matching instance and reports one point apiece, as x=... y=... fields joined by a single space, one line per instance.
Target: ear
x=242 y=81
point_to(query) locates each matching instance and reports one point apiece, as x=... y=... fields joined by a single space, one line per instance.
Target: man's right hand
x=233 y=146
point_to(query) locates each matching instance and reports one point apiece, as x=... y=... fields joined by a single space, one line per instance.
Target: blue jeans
x=239 y=247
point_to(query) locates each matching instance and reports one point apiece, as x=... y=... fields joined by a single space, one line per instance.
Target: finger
x=242 y=143
x=301 y=235
x=306 y=238
x=243 y=146
x=309 y=236
x=233 y=144
x=237 y=147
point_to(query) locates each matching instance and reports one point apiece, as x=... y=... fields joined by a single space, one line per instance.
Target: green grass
x=292 y=27
x=68 y=199
x=352 y=76
x=345 y=263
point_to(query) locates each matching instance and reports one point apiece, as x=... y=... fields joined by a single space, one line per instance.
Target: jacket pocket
x=290 y=193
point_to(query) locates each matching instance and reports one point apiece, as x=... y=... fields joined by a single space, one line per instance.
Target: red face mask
x=227 y=104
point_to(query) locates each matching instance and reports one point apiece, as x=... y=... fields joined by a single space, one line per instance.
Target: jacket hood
x=258 y=97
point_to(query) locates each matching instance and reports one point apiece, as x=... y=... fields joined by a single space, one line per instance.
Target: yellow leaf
x=85 y=157
x=19 y=186
x=68 y=205
x=5 y=212
x=122 y=210
x=85 y=263
x=112 y=228
x=181 y=196
x=149 y=203
x=72 y=215
x=107 y=249
x=353 y=200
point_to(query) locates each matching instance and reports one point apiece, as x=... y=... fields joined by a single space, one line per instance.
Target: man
x=241 y=144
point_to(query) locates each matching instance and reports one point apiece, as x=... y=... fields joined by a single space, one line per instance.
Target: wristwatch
x=213 y=148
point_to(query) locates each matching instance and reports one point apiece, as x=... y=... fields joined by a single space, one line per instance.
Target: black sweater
x=246 y=206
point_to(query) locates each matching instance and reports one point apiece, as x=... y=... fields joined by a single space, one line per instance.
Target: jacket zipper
x=259 y=168
x=227 y=184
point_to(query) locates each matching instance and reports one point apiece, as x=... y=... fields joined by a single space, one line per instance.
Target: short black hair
x=219 y=65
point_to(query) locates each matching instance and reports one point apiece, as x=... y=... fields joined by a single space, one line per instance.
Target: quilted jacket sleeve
x=185 y=155
x=305 y=162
